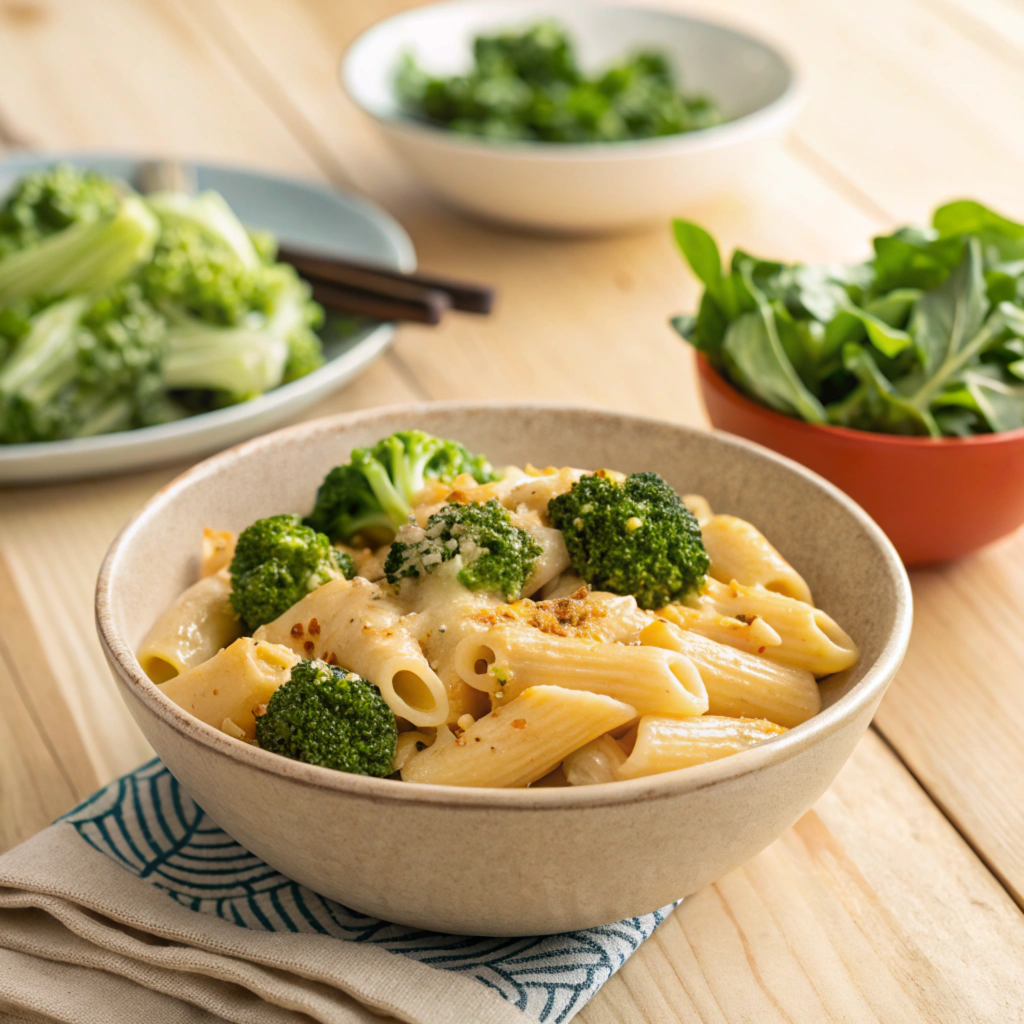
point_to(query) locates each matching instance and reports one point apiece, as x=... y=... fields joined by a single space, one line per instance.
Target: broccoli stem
x=210 y=212
x=87 y=256
x=44 y=361
x=237 y=360
x=391 y=500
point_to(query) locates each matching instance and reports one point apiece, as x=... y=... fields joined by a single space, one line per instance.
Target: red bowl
x=937 y=499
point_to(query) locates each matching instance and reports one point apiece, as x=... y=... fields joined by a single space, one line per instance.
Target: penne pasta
x=505 y=661
x=224 y=690
x=520 y=742
x=699 y=506
x=199 y=623
x=742 y=685
x=794 y=633
x=351 y=623
x=217 y=551
x=599 y=761
x=666 y=744
x=499 y=663
x=739 y=551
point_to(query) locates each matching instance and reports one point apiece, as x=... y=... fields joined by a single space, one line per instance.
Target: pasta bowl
x=511 y=861
x=579 y=187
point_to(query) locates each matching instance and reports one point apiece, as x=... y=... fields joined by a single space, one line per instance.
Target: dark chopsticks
x=426 y=295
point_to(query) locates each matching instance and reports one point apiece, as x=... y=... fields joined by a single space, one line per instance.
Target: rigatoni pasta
x=437 y=621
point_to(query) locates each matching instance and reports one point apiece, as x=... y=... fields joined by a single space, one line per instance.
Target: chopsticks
x=353 y=287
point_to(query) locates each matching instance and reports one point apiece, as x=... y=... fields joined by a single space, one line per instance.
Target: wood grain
x=830 y=925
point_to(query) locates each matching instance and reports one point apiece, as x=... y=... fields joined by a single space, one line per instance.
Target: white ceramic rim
x=764 y=120
x=669 y=784
x=130 y=441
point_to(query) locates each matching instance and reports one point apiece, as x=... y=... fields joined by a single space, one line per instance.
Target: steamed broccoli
x=240 y=324
x=332 y=718
x=82 y=366
x=120 y=311
x=89 y=255
x=497 y=555
x=45 y=202
x=632 y=536
x=370 y=496
x=277 y=562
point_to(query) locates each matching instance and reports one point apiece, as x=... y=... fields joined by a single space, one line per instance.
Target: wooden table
x=898 y=897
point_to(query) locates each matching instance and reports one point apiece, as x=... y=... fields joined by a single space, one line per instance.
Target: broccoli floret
x=82 y=366
x=370 y=496
x=497 y=555
x=277 y=562
x=45 y=202
x=632 y=536
x=326 y=716
x=87 y=256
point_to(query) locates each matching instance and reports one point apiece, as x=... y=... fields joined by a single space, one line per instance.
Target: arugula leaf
x=914 y=258
x=701 y=253
x=755 y=352
x=852 y=324
x=948 y=317
x=877 y=401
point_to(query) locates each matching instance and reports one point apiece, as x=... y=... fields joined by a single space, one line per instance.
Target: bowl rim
x=710 y=377
x=764 y=119
x=667 y=785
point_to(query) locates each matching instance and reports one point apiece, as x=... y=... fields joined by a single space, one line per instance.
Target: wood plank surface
x=874 y=907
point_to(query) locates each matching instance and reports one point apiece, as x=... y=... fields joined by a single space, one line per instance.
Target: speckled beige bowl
x=510 y=862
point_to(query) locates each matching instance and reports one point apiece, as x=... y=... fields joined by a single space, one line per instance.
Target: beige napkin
x=136 y=908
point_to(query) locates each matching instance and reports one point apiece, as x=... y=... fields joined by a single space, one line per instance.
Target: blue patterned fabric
x=151 y=827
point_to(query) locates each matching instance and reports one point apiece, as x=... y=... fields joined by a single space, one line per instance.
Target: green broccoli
x=497 y=555
x=631 y=537
x=89 y=255
x=332 y=718
x=277 y=562
x=85 y=365
x=43 y=203
x=370 y=496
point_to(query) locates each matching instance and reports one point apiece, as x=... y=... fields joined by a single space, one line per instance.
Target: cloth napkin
x=135 y=907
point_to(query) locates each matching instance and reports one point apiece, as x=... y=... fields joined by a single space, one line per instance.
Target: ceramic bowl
x=579 y=187
x=510 y=862
x=936 y=499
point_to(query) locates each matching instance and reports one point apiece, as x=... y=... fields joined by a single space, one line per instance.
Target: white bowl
x=510 y=861
x=579 y=187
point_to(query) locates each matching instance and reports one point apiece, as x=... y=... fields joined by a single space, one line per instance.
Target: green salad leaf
x=925 y=338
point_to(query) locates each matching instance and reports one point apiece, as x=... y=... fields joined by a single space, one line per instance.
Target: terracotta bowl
x=936 y=499
x=510 y=862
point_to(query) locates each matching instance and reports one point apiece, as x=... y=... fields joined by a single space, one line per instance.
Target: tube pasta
x=562 y=686
x=807 y=637
x=739 y=551
x=699 y=506
x=226 y=688
x=409 y=744
x=218 y=550
x=505 y=661
x=554 y=557
x=665 y=744
x=599 y=761
x=742 y=685
x=520 y=742
x=445 y=612
x=195 y=627
x=351 y=623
